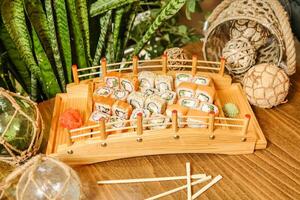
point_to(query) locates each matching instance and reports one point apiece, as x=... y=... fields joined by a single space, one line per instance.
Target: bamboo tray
x=90 y=144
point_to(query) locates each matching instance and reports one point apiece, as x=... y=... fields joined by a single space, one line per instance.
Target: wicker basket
x=279 y=48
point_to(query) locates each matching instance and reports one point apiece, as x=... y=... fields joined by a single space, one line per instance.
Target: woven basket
x=279 y=48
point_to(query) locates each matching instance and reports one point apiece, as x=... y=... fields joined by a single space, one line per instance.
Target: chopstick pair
x=201 y=178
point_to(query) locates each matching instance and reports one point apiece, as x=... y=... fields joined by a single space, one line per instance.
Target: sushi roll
x=169 y=96
x=164 y=82
x=129 y=84
x=117 y=122
x=208 y=107
x=96 y=116
x=103 y=104
x=120 y=94
x=149 y=91
x=112 y=79
x=160 y=121
x=182 y=77
x=146 y=114
x=188 y=102
x=146 y=79
x=193 y=121
x=121 y=109
x=186 y=89
x=136 y=99
x=202 y=80
x=205 y=93
x=181 y=111
x=103 y=91
x=155 y=104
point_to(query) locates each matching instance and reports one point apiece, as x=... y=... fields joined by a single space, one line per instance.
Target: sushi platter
x=150 y=107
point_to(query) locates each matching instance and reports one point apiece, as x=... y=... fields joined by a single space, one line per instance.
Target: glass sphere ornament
x=21 y=127
x=175 y=57
x=43 y=178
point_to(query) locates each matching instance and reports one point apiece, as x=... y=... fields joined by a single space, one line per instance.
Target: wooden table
x=273 y=173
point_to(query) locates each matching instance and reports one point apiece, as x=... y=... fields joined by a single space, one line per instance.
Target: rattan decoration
x=266 y=85
x=43 y=177
x=270 y=21
x=21 y=128
x=176 y=53
x=240 y=55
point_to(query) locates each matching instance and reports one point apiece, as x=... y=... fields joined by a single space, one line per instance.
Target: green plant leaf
x=14 y=20
x=77 y=35
x=104 y=24
x=63 y=35
x=102 y=6
x=117 y=31
x=169 y=10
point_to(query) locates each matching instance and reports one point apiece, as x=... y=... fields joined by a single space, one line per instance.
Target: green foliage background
x=41 y=39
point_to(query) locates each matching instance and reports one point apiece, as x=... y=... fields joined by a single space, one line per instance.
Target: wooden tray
x=224 y=135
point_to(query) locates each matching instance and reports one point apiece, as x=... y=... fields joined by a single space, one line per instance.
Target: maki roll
x=149 y=91
x=193 y=121
x=169 y=96
x=164 y=82
x=186 y=89
x=117 y=122
x=201 y=80
x=120 y=94
x=96 y=116
x=160 y=121
x=136 y=99
x=205 y=93
x=155 y=104
x=181 y=111
x=182 y=77
x=103 y=91
x=146 y=79
x=188 y=102
x=208 y=107
x=129 y=84
x=103 y=104
x=121 y=109
x=112 y=79
x=146 y=114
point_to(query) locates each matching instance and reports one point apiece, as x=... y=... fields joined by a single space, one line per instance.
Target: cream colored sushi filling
x=203 y=96
x=201 y=80
x=187 y=102
x=120 y=113
x=102 y=108
x=208 y=107
x=104 y=91
x=145 y=83
x=112 y=82
x=126 y=85
x=97 y=115
x=185 y=93
x=120 y=94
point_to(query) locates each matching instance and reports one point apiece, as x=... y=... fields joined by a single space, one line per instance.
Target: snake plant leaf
x=51 y=83
x=77 y=35
x=102 y=6
x=34 y=88
x=168 y=11
x=63 y=35
x=83 y=18
x=14 y=20
x=104 y=24
x=116 y=31
x=15 y=58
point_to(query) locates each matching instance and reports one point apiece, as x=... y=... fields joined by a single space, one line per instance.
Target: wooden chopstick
x=188 y=181
x=211 y=183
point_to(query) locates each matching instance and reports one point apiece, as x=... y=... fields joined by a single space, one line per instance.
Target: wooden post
x=70 y=142
x=245 y=127
x=75 y=74
x=194 y=65
x=135 y=65
x=103 y=67
x=164 y=63
x=222 y=66
x=103 y=134
x=175 y=121
x=139 y=123
x=211 y=125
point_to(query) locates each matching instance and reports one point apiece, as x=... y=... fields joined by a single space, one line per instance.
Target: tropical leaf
x=82 y=11
x=15 y=58
x=51 y=83
x=54 y=44
x=104 y=24
x=116 y=31
x=34 y=88
x=77 y=34
x=169 y=10
x=63 y=35
x=14 y=20
x=102 y=6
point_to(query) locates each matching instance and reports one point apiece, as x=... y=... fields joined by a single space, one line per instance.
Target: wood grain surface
x=273 y=173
